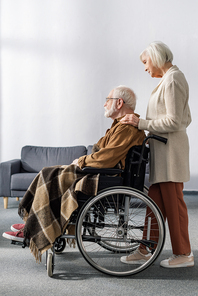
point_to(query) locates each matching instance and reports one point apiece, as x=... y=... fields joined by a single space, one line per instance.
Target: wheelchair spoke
x=115 y=227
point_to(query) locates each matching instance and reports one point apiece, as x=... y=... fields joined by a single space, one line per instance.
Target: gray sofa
x=16 y=175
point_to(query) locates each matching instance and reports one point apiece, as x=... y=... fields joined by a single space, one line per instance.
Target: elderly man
x=113 y=147
x=51 y=198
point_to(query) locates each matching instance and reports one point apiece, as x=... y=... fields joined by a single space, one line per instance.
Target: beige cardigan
x=168 y=115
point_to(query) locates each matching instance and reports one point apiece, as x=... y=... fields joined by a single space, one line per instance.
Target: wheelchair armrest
x=106 y=171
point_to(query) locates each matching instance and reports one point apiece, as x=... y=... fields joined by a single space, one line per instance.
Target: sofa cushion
x=89 y=149
x=22 y=181
x=17 y=193
x=34 y=158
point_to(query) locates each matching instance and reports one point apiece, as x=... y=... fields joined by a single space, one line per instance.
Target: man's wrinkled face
x=110 y=105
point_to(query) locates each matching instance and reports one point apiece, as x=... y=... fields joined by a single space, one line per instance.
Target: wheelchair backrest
x=135 y=166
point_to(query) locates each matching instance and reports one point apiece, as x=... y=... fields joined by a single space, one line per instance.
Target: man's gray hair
x=126 y=94
x=159 y=53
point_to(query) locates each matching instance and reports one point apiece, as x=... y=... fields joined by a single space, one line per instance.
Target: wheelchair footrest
x=19 y=243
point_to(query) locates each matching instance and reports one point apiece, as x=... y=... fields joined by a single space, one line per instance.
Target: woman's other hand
x=130 y=119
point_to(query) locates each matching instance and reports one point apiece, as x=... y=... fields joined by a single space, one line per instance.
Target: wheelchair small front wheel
x=59 y=245
x=117 y=220
x=50 y=265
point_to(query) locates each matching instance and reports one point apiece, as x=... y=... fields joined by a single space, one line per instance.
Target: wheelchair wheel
x=122 y=248
x=59 y=245
x=114 y=220
x=114 y=247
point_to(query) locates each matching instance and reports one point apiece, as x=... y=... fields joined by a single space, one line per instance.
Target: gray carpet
x=21 y=275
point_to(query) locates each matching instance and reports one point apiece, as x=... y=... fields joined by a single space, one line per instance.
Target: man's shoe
x=176 y=261
x=135 y=258
x=15 y=236
x=17 y=227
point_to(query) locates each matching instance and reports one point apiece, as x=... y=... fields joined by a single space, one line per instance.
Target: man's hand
x=75 y=162
x=130 y=119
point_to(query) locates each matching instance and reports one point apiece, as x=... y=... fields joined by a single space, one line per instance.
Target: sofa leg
x=17 y=198
x=5 y=199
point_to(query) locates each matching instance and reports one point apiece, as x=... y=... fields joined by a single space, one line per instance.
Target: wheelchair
x=111 y=224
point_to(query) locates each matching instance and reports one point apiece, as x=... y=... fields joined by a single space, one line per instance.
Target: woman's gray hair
x=127 y=95
x=159 y=53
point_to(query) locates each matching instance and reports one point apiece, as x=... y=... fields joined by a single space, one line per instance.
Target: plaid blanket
x=49 y=202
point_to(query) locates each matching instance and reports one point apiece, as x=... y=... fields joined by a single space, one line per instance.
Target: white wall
x=60 y=59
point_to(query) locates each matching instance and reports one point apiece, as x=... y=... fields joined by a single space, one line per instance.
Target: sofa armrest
x=7 y=169
x=107 y=171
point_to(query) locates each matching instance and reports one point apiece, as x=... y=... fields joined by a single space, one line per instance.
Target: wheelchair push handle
x=158 y=138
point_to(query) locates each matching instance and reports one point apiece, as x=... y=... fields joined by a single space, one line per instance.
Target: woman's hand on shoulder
x=131 y=119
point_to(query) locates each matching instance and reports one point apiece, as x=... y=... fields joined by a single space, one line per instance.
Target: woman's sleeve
x=175 y=100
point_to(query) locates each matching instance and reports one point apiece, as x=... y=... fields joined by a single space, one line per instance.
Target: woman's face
x=148 y=66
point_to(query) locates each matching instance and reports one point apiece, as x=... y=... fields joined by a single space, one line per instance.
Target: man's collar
x=119 y=118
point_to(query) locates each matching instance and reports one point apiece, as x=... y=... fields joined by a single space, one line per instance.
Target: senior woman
x=168 y=115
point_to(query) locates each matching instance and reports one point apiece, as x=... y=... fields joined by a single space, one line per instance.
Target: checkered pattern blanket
x=49 y=202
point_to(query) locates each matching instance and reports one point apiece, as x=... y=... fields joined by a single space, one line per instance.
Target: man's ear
x=120 y=103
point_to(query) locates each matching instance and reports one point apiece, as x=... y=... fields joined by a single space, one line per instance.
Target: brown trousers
x=169 y=198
